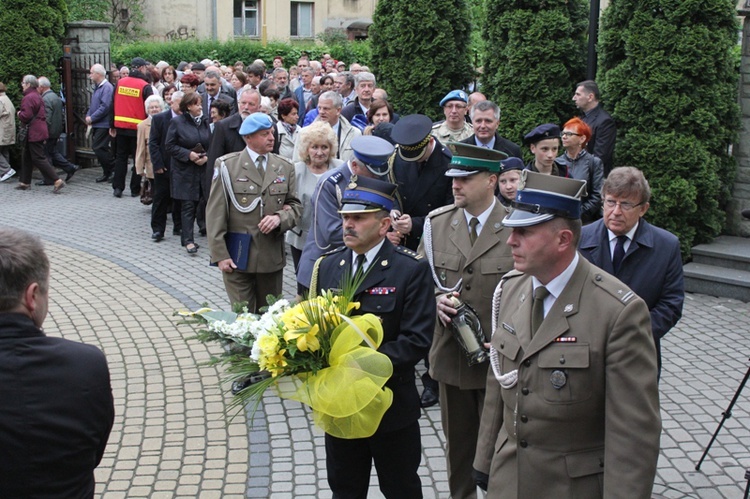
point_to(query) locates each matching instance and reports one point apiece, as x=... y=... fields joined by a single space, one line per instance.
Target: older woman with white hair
x=317 y=146
x=154 y=105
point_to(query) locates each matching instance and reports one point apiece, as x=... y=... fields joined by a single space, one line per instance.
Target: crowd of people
x=316 y=157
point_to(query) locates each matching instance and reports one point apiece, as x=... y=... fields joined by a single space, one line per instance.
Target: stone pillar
x=89 y=41
x=736 y=225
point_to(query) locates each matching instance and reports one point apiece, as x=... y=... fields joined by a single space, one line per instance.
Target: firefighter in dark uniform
x=397 y=287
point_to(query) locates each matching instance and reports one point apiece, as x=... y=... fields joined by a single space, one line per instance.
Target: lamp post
x=593 y=37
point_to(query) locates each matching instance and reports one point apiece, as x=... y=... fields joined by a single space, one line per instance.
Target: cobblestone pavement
x=115 y=288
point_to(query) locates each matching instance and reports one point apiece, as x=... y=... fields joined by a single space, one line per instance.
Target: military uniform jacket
x=444 y=134
x=479 y=268
x=583 y=419
x=277 y=188
x=422 y=187
x=397 y=288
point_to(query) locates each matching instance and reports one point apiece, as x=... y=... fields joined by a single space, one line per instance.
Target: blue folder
x=238 y=246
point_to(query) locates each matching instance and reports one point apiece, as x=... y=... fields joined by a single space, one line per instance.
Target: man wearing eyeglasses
x=643 y=256
x=454 y=128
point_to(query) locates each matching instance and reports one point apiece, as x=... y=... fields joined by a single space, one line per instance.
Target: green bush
x=238 y=50
x=670 y=73
x=421 y=49
x=30 y=41
x=534 y=56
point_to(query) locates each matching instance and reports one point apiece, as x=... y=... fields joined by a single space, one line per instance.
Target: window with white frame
x=302 y=20
x=246 y=18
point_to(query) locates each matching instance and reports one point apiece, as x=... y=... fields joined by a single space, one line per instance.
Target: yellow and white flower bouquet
x=314 y=352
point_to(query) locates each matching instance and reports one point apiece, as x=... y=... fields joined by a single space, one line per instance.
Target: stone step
x=725 y=251
x=717 y=281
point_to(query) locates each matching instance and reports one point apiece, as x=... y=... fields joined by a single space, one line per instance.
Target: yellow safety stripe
x=128 y=120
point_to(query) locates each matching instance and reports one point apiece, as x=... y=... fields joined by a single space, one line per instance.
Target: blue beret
x=454 y=95
x=374 y=152
x=255 y=122
x=542 y=132
x=541 y=197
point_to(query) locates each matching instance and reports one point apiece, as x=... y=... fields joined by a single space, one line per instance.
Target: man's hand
x=88 y=120
x=227 y=266
x=402 y=224
x=394 y=237
x=269 y=223
x=113 y=132
x=160 y=171
x=445 y=308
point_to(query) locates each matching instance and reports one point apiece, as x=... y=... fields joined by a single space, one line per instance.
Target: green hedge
x=670 y=74
x=421 y=49
x=30 y=34
x=238 y=50
x=534 y=55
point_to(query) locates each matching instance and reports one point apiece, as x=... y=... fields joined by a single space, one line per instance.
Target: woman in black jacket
x=187 y=143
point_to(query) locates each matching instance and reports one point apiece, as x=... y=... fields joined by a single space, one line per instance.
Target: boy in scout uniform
x=572 y=405
x=252 y=192
x=465 y=245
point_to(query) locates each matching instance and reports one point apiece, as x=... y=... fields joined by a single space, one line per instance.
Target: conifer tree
x=669 y=71
x=420 y=51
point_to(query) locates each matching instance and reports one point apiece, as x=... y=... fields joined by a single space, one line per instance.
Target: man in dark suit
x=303 y=94
x=213 y=93
x=643 y=256
x=465 y=245
x=485 y=116
x=603 y=128
x=397 y=287
x=56 y=408
x=161 y=161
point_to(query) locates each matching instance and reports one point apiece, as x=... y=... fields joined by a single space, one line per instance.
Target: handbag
x=23 y=133
x=147 y=192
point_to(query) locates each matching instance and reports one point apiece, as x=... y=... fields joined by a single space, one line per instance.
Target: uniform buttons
x=598 y=277
x=562 y=360
x=502 y=345
x=523 y=443
x=525 y=391
x=468 y=287
x=470 y=270
x=499 y=267
x=524 y=419
x=527 y=363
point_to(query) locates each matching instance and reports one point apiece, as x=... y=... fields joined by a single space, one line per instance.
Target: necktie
x=360 y=266
x=619 y=253
x=537 y=309
x=473 y=230
x=259 y=163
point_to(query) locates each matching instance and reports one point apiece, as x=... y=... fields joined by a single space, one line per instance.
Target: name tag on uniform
x=243 y=179
x=509 y=329
x=380 y=291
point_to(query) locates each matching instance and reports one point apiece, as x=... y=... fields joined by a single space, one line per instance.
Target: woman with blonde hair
x=317 y=145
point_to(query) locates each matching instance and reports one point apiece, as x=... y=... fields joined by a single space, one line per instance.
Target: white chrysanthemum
x=278 y=307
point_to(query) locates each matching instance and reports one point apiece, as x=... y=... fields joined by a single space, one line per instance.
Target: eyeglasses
x=624 y=205
x=456 y=106
x=568 y=134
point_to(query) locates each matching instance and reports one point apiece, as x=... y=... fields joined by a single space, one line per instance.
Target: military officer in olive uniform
x=465 y=245
x=572 y=404
x=252 y=192
x=454 y=128
x=397 y=288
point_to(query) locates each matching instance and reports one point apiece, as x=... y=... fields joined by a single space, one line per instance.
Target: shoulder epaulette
x=334 y=250
x=283 y=159
x=334 y=178
x=230 y=155
x=437 y=124
x=613 y=286
x=511 y=274
x=447 y=152
x=443 y=209
x=406 y=251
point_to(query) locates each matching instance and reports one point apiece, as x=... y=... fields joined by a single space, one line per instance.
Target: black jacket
x=56 y=412
x=604 y=134
x=183 y=136
x=501 y=144
x=589 y=168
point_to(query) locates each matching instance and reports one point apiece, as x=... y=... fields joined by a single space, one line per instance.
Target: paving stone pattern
x=113 y=287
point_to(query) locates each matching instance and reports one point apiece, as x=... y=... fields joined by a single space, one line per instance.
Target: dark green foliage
x=422 y=51
x=534 y=55
x=237 y=50
x=669 y=75
x=109 y=11
x=30 y=41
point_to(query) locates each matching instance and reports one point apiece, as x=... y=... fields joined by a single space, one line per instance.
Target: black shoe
x=202 y=232
x=44 y=182
x=71 y=171
x=192 y=250
x=103 y=178
x=157 y=236
x=429 y=397
x=176 y=232
x=117 y=193
x=134 y=194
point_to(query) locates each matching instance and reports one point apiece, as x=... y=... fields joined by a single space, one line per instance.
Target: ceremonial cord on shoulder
x=427 y=242
x=227 y=181
x=503 y=379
